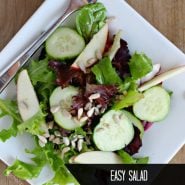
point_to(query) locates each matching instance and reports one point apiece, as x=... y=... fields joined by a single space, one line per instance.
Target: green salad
x=84 y=101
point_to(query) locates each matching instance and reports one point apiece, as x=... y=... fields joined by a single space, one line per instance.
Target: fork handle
x=9 y=73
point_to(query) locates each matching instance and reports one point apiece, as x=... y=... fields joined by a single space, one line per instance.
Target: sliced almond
x=96 y=111
x=103 y=110
x=42 y=139
x=57 y=141
x=73 y=144
x=51 y=138
x=88 y=106
x=41 y=144
x=65 y=150
x=57 y=133
x=80 y=144
x=94 y=96
x=80 y=113
x=99 y=106
x=80 y=137
x=83 y=119
x=90 y=112
x=50 y=125
x=66 y=141
x=46 y=135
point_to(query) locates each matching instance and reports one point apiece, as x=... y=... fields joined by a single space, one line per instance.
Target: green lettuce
x=128 y=83
x=140 y=65
x=9 y=108
x=80 y=131
x=34 y=125
x=62 y=177
x=128 y=100
x=90 y=19
x=128 y=159
x=105 y=73
x=62 y=174
x=142 y=160
x=43 y=80
x=23 y=170
x=42 y=157
x=26 y=171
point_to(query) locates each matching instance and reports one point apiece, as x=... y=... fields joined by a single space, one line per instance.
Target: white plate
x=164 y=139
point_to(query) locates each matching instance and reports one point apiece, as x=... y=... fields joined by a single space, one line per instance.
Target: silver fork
x=10 y=71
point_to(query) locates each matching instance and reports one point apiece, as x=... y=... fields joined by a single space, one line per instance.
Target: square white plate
x=160 y=142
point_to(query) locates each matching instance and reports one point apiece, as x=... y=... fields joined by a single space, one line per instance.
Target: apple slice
x=97 y=157
x=162 y=77
x=28 y=103
x=89 y=54
x=115 y=46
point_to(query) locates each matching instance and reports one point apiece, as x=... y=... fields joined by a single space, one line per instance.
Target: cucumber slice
x=114 y=131
x=136 y=122
x=64 y=43
x=60 y=103
x=154 y=106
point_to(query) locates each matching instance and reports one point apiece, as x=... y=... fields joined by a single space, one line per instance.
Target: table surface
x=167 y=16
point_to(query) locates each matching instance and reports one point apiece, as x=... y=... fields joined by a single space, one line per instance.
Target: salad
x=86 y=100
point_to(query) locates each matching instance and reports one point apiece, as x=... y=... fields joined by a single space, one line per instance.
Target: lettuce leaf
x=128 y=100
x=105 y=73
x=9 y=108
x=142 y=160
x=42 y=157
x=140 y=65
x=39 y=72
x=26 y=171
x=43 y=79
x=90 y=19
x=127 y=83
x=128 y=159
x=34 y=125
x=62 y=177
x=23 y=170
x=62 y=174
